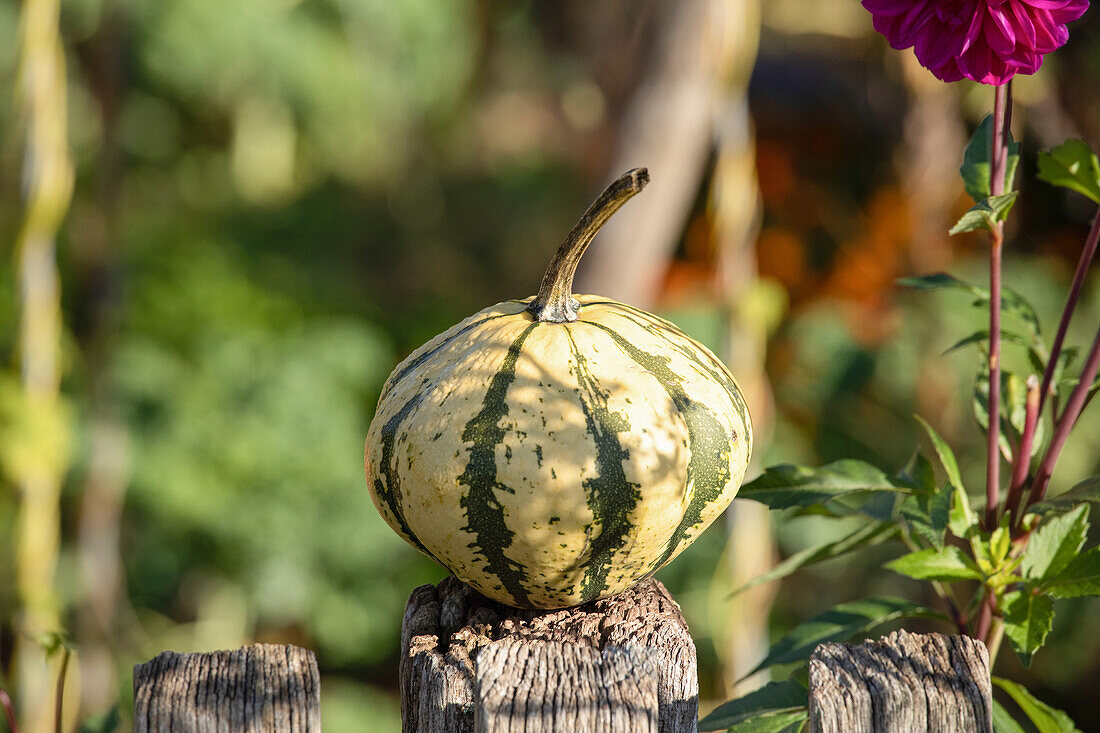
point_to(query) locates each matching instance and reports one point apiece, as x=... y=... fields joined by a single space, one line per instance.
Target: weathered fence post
x=263 y=687
x=902 y=683
x=470 y=664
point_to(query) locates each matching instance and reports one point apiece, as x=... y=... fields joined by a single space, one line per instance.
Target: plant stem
x=9 y=710
x=996 y=635
x=985 y=618
x=1021 y=461
x=1071 y=304
x=47 y=186
x=555 y=302
x=1074 y=405
x=997 y=163
x=944 y=592
x=59 y=704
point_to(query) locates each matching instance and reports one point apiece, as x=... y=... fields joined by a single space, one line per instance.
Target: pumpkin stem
x=555 y=301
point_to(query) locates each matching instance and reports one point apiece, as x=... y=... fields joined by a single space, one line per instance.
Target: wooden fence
x=622 y=665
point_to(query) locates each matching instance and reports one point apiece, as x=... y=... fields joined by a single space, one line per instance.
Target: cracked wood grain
x=621 y=664
x=262 y=687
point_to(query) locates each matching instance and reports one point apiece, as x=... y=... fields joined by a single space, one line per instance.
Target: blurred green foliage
x=277 y=199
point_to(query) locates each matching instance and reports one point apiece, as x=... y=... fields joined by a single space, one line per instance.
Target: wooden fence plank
x=461 y=651
x=263 y=687
x=543 y=687
x=902 y=683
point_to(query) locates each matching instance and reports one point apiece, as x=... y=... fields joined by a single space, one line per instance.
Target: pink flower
x=989 y=41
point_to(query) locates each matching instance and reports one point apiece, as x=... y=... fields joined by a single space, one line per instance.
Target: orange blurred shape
x=774 y=171
x=780 y=255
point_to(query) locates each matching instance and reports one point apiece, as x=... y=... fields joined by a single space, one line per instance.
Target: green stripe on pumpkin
x=708 y=468
x=389 y=490
x=391 y=383
x=484 y=511
x=702 y=357
x=611 y=497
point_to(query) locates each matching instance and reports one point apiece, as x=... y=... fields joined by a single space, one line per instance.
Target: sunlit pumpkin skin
x=548 y=464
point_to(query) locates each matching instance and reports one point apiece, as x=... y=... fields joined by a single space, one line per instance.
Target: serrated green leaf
x=1043 y=716
x=918 y=474
x=869 y=534
x=1086 y=491
x=985 y=214
x=1055 y=544
x=946 y=455
x=928 y=514
x=1072 y=165
x=1028 y=620
x=975 y=170
x=1080 y=578
x=1003 y=722
x=947 y=564
x=962 y=520
x=840 y=623
x=786 y=485
x=773 y=697
x=787 y=722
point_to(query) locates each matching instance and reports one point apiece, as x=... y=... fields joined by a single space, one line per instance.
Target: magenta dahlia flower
x=989 y=41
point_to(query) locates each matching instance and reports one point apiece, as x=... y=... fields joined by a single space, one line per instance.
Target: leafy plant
x=999 y=566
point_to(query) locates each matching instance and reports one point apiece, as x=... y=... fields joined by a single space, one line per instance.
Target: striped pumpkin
x=555 y=450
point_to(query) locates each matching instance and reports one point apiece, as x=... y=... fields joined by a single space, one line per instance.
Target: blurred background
x=257 y=207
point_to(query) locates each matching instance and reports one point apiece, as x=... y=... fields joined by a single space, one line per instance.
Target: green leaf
x=947 y=564
x=962 y=521
x=1000 y=542
x=918 y=474
x=1012 y=303
x=1013 y=406
x=1003 y=722
x=785 y=486
x=1055 y=544
x=1043 y=716
x=975 y=169
x=1028 y=620
x=840 y=624
x=773 y=697
x=870 y=534
x=787 y=722
x=985 y=214
x=941 y=281
x=1080 y=578
x=946 y=455
x=928 y=514
x=1072 y=165
x=1087 y=490
x=982 y=336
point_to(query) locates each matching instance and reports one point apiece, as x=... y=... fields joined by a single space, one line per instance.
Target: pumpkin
x=555 y=450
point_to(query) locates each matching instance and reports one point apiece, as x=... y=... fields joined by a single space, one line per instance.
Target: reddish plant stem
x=985 y=617
x=1067 y=312
x=9 y=710
x=997 y=160
x=1021 y=460
x=1074 y=405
